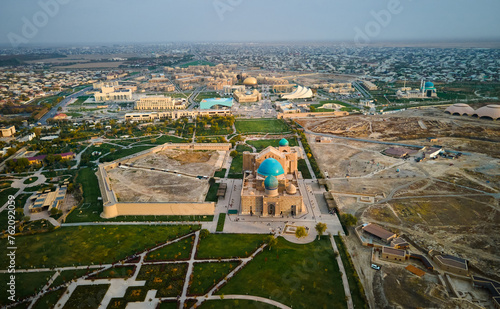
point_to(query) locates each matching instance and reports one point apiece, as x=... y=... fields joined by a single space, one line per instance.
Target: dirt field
x=459 y=133
x=446 y=205
x=190 y=162
x=137 y=185
x=141 y=184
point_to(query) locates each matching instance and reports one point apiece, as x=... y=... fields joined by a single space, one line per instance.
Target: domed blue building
x=426 y=90
x=270 y=167
x=270 y=182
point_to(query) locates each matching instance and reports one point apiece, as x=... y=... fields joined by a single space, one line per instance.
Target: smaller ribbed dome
x=291 y=189
x=271 y=183
x=284 y=142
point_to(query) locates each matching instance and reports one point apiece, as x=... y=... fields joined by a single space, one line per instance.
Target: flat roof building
x=7 y=131
x=450 y=263
x=379 y=232
x=159 y=102
x=393 y=254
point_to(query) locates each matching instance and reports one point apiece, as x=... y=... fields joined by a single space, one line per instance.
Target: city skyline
x=92 y=22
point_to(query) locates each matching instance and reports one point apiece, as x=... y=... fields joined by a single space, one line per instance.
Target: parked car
x=375 y=266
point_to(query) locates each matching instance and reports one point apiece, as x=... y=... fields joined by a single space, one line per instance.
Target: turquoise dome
x=271 y=183
x=429 y=85
x=270 y=167
x=284 y=142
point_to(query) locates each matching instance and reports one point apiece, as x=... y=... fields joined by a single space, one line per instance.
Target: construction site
x=441 y=194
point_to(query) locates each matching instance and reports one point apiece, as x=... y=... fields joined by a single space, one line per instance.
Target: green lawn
x=357 y=291
x=132 y=294
x=220 y=173
x=237 y=163
x=4 y=215
x=180 y=250
x=197 y=62
x=116 y=272
x=206 y=95
x=220 y=222
x=4 y=195
x=86 y=296
x=302 y=166
x=169 y=305
x=121 y=153
x=262 y=144
x=26 y=284
x=206 y=275
x=30 y=180
x=160 y=140
x=298 y=275
x=234 y=303
x=261 y=126
x=229 y=245
x=346 y=107
x=49 y=300
x=167 y=279
x=212 y=191
x=91 y=208
x=90 y=244
x=68 y=275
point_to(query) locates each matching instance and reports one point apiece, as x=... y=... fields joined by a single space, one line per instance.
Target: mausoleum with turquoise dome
x=426 y=90
x=270 y=182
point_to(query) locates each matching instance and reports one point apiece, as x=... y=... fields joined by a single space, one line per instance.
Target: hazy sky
x=115 y=21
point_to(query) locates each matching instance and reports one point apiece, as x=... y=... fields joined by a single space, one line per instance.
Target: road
x=361 y=89
x=63 y=104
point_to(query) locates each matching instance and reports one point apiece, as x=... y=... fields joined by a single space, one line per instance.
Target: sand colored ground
x=446 y=205
x=138 y=185
x=141 y=184
x=460 y=133
x=191 y=162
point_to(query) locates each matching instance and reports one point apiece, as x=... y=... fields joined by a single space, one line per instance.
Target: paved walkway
x=345 y=283
x=189 y=270
x=250 y=297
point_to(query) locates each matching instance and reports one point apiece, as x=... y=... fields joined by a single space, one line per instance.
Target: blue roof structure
x=271 y=183
x=270 y=167
x=284 y=142
x=429 y=85
x=210 y=103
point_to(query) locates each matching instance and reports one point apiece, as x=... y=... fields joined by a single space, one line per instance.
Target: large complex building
x=270 y=182
x=176 y=114
x=247 y=96
x=111 y=94
x=159 y=103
